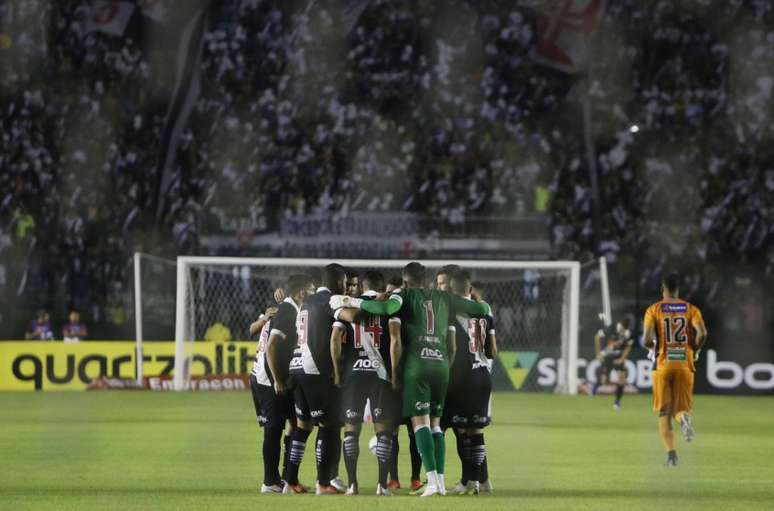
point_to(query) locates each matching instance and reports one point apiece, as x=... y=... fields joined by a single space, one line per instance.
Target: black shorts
x=271 y=410
x=316 y=398
x=385 y=402
x=608 y=364
x=468 y=406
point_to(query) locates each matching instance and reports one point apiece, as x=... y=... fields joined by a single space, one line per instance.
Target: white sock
x=432 y=478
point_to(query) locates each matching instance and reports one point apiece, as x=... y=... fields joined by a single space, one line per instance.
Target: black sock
x=351 y=453
x=416 y=459
x=286 y=456
x=383 y=455
x=619 y=390
x=297 y=446
x=393 y=475
x=484 y=477
x=335 y=459
x=462 y=444
x=272 y=448
x=477 y=456
x=322 y=456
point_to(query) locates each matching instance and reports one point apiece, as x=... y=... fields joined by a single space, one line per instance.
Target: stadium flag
x=109 y=17
x=564 y=34
x=184 y=97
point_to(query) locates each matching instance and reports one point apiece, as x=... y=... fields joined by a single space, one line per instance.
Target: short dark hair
x=671 y=282
x=415 y=272
x=448 y=269
x=352 y=273
x=460 y=281
x=626 y=322
x=375 y=280
x=395 y=281
x=298 y=282
x=332 y=275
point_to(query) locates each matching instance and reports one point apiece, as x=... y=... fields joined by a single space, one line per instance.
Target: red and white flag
x=109 y=17
x=564 y=34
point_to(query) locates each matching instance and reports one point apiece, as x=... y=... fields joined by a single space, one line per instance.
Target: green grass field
x=142 y=450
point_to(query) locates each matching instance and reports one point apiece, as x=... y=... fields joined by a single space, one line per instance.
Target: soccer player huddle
x=420 y=355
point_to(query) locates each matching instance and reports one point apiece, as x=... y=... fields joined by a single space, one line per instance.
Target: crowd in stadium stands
x=409 y=107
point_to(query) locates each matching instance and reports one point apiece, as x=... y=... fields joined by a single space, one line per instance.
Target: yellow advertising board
x=30 y=365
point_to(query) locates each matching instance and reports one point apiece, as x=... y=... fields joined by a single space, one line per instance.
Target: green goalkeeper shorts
x=424 y=388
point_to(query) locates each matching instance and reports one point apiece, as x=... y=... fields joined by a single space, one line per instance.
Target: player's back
x=673 y=321
x=367 y=348
x=425 y=317
x=314 y=324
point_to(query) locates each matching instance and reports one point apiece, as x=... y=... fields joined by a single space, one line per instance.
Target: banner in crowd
x=109 y=17
x=29 y=366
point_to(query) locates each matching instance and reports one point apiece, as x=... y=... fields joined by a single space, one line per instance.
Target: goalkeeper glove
x=341 y=301
x=652 y=355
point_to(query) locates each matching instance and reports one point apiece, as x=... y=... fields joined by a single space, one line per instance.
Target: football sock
x=619 y=390
x=351 y=453
x=287 y=441
x=665 y=430
x=477 y=455
x=484 y=477
x=272 y=447
x=394 y=458
x=297 y=446
x=426 y=447
x=439 y=441
x=318 y=450
x=462 y=445
x=335 y=459
x=383 y=455
x=416 y=459
x=325 y=454
x=335 y=453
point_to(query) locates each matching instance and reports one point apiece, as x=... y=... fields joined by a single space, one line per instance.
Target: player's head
x=414 y=275
x=394 y=283
x=300 y=286
x=42 y=315
x=670 y=285
x=335 y=278
x=459 y=282
x=353 y=282
x=75 y=317
x=443 y=276
x=373 y=281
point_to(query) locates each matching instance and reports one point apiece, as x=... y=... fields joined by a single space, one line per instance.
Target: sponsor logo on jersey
x=431 y=354
x=263 y=420
x=431 y=339
x=296 y=362
x=377 y=412
x=299 y=411
x=316 y=413
x=351 y=414
x=366 y=364
x=674 y=308
x=480 y=365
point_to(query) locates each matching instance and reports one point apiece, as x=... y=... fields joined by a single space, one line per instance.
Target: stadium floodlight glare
x=535 y=304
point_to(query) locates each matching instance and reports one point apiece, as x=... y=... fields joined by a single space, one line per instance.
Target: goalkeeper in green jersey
x=426 y=358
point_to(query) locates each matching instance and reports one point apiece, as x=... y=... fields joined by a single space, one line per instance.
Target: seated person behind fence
x=74 y=331
x=40 y=328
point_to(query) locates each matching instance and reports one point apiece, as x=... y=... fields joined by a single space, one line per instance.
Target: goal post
x=535 y=303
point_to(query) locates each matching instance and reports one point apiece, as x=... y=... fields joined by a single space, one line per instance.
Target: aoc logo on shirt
x=518 y=365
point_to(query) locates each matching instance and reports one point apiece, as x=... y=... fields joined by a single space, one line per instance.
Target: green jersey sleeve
x=385 y=308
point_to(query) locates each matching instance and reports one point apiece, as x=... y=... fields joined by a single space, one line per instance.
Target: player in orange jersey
x=675 y=330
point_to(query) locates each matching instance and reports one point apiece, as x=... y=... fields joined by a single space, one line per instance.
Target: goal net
x=535 y=306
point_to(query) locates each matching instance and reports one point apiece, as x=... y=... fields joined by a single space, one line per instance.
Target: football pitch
x=143 y=450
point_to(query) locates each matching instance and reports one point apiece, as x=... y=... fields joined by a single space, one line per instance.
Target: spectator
x=74 y=331
x=40 y=328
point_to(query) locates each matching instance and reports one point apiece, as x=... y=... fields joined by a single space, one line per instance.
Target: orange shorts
x=672 y=391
